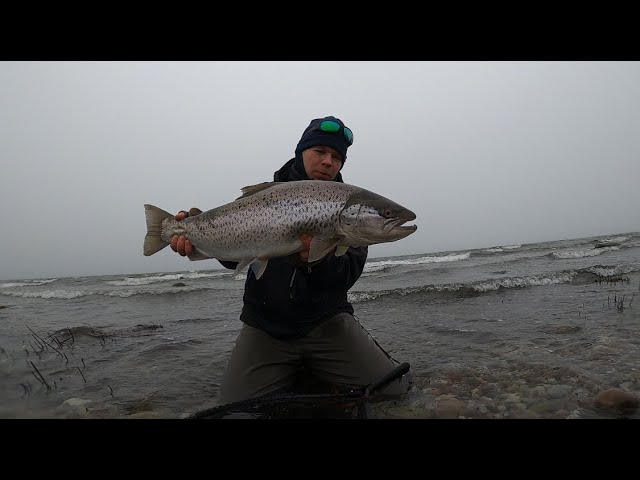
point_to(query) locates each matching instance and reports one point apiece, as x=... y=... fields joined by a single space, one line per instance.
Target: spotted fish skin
x=268 y=219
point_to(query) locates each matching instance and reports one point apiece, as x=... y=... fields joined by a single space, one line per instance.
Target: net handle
x=382 y=382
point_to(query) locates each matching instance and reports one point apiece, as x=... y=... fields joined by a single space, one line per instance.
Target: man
x=297 y=314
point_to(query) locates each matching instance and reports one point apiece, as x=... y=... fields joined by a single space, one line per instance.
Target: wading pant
x=338 y=351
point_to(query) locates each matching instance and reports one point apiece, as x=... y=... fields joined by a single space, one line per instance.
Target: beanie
x=333 y=134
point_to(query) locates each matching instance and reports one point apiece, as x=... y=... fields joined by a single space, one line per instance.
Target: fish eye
x=387 y=213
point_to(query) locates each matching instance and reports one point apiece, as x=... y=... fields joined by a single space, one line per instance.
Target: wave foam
x=376 y=266
x=27 y=283
x=471 y=289
x=126 y=293
x=136 y=281
x=582 y=253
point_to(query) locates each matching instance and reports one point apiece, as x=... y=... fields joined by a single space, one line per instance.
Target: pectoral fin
x=341 y=250
x=320 y=247
x=258 y=266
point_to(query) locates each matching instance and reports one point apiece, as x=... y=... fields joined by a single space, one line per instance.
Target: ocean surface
x=514 y=331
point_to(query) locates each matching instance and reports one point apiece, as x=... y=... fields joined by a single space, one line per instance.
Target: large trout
x=269 y=218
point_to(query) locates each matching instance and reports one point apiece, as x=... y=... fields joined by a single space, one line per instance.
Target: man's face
x=321 y=162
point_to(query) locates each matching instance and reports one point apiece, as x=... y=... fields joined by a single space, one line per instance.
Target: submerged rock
x=618 y=401
x=561 y=329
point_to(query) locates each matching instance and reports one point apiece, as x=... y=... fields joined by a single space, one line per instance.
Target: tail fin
x=153 y=241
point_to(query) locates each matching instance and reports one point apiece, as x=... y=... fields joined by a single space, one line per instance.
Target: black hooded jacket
x=292 y=298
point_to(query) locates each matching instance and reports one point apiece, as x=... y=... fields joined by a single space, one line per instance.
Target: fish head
x=368 y=218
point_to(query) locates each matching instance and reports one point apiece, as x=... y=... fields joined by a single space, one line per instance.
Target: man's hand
x=306 y=239
x=180 y=243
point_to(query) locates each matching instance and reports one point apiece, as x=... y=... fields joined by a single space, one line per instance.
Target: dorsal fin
x=251 y=189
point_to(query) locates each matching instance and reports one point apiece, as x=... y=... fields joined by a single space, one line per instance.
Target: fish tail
x=153 y=241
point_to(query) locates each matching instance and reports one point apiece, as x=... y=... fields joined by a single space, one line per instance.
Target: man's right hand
x=306 y=240
x=180 y=243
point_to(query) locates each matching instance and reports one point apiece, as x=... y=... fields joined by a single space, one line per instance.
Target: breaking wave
x=581 y=252
x=581 y=276
x=471 y=289
x=136 y=281
x=27 y=283
x=376 y=266
x=72 y=294
x=502 y=248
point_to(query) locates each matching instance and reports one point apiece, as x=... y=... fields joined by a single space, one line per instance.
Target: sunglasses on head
x=334 y=127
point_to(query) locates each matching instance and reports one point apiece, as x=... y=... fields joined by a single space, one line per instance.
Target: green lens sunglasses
x=334 y=127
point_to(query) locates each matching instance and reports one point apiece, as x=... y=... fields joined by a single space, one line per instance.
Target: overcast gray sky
x=485 y=153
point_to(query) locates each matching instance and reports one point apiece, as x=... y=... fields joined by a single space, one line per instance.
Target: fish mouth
x=397 y=225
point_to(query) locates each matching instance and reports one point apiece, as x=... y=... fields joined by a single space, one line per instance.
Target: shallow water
x=519 y=331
